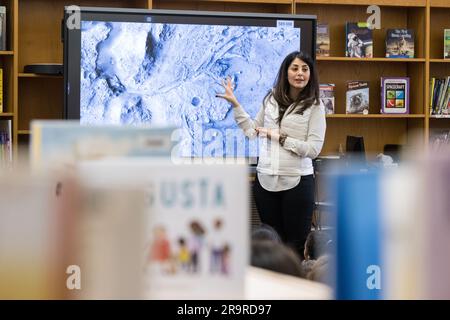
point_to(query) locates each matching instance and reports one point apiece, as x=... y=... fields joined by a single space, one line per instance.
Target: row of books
x=359 y=41
x=394 y=96
x=440 y=96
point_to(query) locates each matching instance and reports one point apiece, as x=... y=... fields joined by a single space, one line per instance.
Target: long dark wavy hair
x=307 y=97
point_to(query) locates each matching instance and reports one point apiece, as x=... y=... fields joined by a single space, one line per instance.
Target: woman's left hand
x=273 y=134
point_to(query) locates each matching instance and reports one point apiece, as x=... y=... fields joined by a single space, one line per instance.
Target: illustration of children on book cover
x=400 y=43
x=196 y=235
x=196 y=250
x=195 y=242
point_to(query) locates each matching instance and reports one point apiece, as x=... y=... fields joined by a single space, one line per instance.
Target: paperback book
x=395 y=95
x=357 y=97
x=327 y=97
x=2 y=28
x=400 y=43
x=359 y=42
x=446 y=43
x=196 y=238
x=323 y=40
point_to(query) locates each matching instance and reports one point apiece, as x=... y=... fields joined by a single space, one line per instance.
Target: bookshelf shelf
x=253 y=1
x=35 y=75
x=439 y=116
x=440 y=60
x=439 y=3
x=393 y=3
x=376 y=116
x=39 y=25
x=391 y=60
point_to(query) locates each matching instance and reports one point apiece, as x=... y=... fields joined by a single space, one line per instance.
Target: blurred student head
x=320 y=269
x=317 y=244
x=265 y=232
x=276 y=257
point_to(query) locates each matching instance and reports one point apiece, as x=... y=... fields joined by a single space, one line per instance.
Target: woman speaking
x=292 y=124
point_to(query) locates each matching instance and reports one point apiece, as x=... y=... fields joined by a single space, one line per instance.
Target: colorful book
x=399 y=43
x=359 y=41
x=395 y=95
x=327 y=97
x=323 y=40
x=357 y=97
x=446 y=43
x=196 y=241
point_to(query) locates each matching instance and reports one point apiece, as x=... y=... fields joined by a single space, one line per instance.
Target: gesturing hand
x=272 y=134
x=229 y=94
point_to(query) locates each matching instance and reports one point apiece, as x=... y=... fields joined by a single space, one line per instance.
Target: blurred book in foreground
x=196 y=241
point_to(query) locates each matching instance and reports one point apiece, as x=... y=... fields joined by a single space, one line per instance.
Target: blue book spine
x=358 y=243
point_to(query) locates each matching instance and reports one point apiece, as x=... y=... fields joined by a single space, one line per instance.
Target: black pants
x=289 y=212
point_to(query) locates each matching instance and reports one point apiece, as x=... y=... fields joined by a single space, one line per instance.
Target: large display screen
x=141 y=67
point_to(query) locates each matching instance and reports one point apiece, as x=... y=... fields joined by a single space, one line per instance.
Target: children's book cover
x=399 y=43
x=327 y=97
x=56 y=143
x=359 y=42
x=446 y=43
x=196 y=239
x=357 y=97
x=323 y=40
x=395 y=95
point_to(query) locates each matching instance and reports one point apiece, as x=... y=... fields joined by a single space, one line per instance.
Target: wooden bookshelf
x=438 y=67
x=34 y=37
x=35 y=75
x=393 y=60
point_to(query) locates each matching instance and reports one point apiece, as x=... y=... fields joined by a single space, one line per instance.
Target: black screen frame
x=72 y=37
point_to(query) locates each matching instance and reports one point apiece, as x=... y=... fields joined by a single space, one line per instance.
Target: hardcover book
x=62 y=143
x=327 y=97
x=359 y=42
x=395 y=95
x=2 y=28
x=400 y=43
x=323 y=40
x=196 y=238
x=446 y=43
x=357 y=97
x=5 y=144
